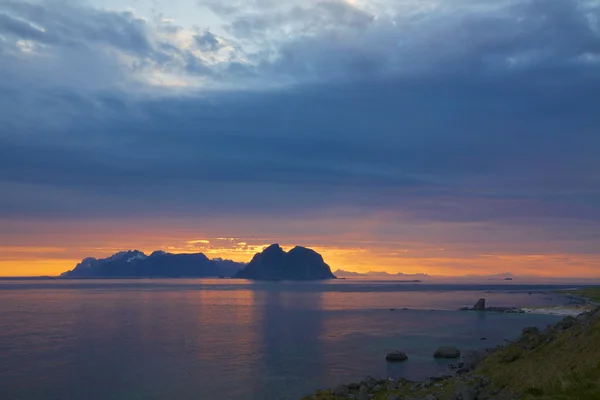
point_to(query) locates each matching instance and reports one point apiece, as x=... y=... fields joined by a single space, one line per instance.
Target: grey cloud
x=489 y=116
x=380 y=145
x=282 y=42
x=73 y=25
x=207 y=41
x=523 y=36
x=290 y=19
x=85 y=33
x=20 y=29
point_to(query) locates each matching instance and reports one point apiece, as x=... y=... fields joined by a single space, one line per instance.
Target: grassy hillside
x=592 y=293
x=556 y=364
x=560 y=363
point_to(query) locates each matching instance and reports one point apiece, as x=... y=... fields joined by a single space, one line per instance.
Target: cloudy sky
x=440 y=136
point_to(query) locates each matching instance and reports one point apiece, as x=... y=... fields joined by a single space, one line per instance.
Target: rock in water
x=480 y=305
x=299 y=263
x=396 y=356
x=447 y=352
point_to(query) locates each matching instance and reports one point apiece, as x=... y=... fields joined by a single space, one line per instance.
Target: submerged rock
x=447 y=352
x=396 y=356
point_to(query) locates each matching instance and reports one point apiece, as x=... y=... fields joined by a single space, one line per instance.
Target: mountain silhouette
x=134 y=263
x=274 y=263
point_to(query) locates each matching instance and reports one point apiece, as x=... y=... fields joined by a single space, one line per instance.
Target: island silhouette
x=273 y=263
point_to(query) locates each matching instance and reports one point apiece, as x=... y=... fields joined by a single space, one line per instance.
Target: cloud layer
x=408 y=113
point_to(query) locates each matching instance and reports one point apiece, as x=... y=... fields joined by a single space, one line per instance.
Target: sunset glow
x=348 y=251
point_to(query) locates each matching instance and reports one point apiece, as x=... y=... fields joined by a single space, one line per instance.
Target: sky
x=440 y=136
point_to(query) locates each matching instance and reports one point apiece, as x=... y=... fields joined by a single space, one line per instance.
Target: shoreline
x=460 y=381
x=580 y=301
x=566 y=310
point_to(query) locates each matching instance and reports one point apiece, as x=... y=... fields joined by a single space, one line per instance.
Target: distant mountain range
x=507 y=276
x=349 y=274
x=273 y=263
x=134 y=263
x=504 y=276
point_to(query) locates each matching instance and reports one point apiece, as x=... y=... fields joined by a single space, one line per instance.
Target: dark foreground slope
x=274 y=263
x=560 y=363
x=563 y=362
x=134 y=263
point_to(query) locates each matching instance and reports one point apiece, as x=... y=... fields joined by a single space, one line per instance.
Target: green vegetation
x=553 y=365
x=444 y=392
x=560 y=363
x=592 y=293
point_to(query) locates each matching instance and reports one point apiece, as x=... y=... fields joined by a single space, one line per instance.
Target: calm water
x=226 y=339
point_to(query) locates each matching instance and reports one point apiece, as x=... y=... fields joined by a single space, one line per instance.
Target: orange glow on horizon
x=351 y=243
x=36 y=261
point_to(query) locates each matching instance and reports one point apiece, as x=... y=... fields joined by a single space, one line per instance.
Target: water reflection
x=210 y=340
x=291 y=325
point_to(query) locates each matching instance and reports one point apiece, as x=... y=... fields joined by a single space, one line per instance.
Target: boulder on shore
x=447 y=352
x=480 y=305
x=396 y=356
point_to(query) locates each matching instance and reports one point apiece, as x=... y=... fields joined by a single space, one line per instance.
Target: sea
x=226 y=339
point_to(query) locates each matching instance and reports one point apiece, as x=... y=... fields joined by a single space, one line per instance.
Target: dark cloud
x=488 y=116
x=381 y=145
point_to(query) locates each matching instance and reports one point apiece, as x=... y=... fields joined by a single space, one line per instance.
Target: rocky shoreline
x=466 y=379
